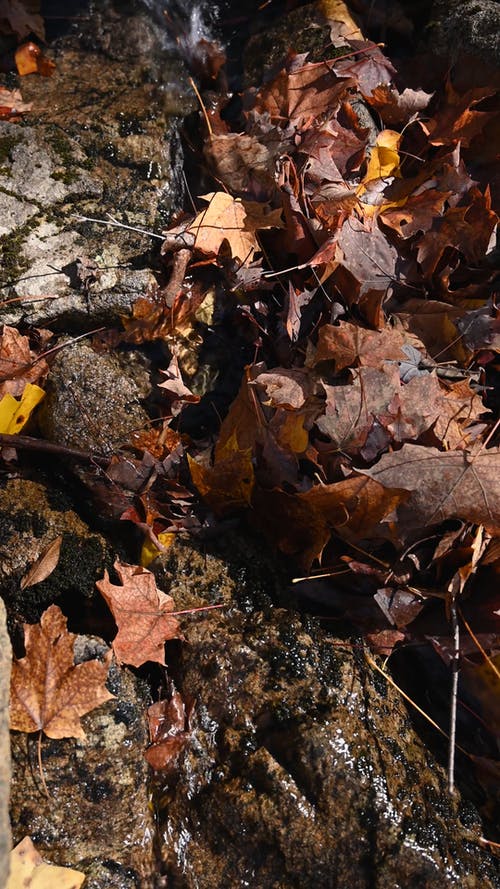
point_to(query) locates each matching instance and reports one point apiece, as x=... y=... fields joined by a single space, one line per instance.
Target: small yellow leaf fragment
x=15 y=414
x=29 y=871
x=384 y=159
x=149 y=551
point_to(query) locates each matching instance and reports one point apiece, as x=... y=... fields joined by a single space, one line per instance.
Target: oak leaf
x=143 y=615
x=28 y=870
x=48 y=692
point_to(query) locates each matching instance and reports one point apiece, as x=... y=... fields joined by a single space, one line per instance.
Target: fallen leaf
x=22 y=17
x=397 y=108
x=302 y=524
x=227 y=484
x=11 y=104
x=143 y=615
x=349 y=345
x=18 y=364
x=48 y=692
x=443 y=485
x=232 y=220
x=44 y=565
x=15 y=414
x=303 y=94
x=169 y=731
x=340 y=20
x=28 y=870
x=31 y=60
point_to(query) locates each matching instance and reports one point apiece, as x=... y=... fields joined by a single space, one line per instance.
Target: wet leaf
x=169 y=731
x=48 y=692
x=143 y=615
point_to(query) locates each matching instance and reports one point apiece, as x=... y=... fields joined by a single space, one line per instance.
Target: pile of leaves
x=356 y=254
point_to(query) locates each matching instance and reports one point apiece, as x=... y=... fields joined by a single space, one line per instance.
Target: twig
x=27 y=443
x=114 y=222
x=200 y=100
x=180 y=263
x=455 y=668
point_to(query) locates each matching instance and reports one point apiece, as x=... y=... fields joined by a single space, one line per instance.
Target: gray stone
x=5 y=771
x=91 y=402
x=101 y=140
x=471 y=28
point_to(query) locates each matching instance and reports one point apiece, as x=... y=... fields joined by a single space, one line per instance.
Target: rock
x=301 y=763
x=98 y=817
x=101 y=139
x=92 y=402
x=466 y=30
x=5 y=771
x=31 y=517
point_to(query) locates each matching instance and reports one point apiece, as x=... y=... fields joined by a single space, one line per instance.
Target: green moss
x=12 y=262
x=7 y=143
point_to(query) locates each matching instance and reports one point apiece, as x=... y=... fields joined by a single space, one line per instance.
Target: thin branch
x=455 y=669
x=27 y=443
x=114 y=222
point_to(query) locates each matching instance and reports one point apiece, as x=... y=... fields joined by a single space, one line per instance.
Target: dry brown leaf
x=11 y=104
x=443 y=485
x=232 y=220
x=48 y=692
x=44 y=565
x=22 y=17
x=302 y=524
x=143 y=615
x=349 y=345
x=18 y=364
x=28 y=870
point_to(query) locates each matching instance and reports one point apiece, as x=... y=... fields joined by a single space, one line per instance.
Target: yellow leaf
x=15 y=414
x=149 y=551
x=338 y=15
x=384 y=160
x=29 y=871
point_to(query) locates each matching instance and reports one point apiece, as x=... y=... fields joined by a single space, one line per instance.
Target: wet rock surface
x=301 y=763
x=31 y=517
x=101 y=139
x=97 y=818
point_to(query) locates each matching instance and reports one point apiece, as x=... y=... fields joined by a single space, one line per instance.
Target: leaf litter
x=350 y=243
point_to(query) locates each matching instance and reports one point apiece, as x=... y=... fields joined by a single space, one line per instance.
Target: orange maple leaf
x=48 y=692
x=232 y=220
x=143 y=615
